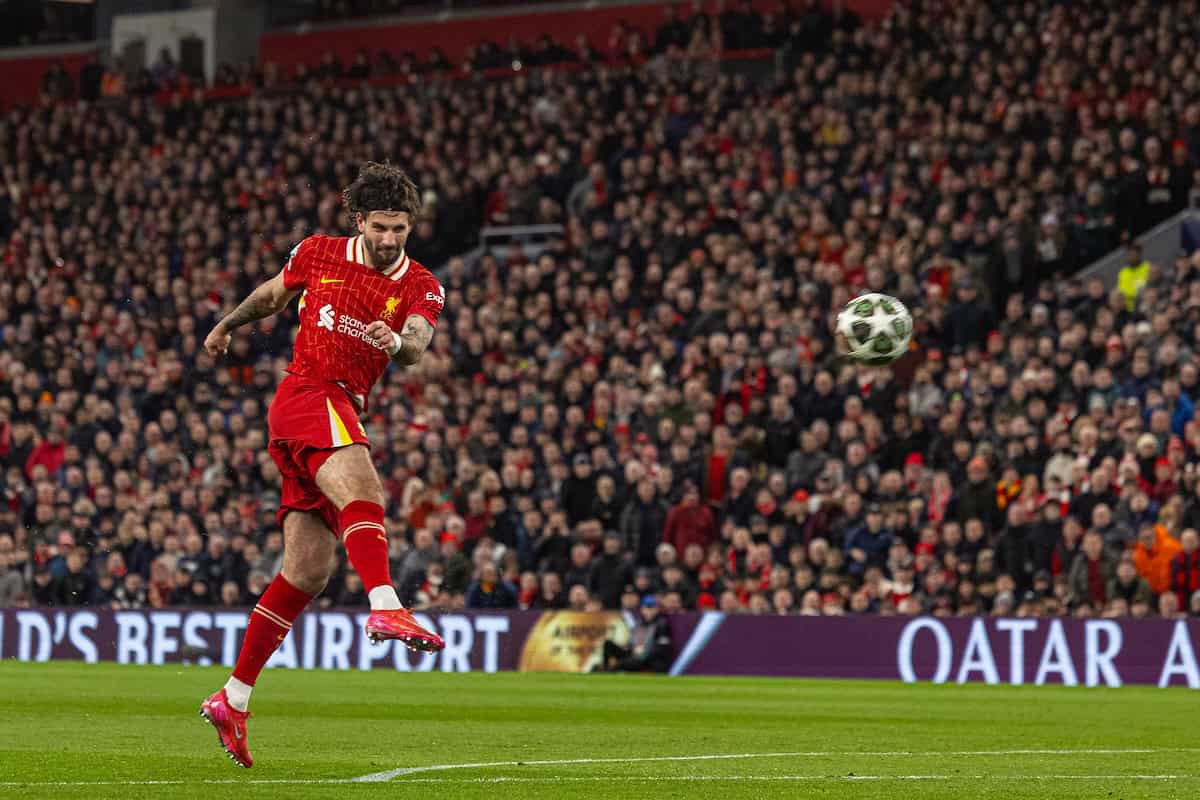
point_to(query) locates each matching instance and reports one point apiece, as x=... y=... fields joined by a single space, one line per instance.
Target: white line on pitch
x=616 y=779
x=792 y=778
x=388 y=775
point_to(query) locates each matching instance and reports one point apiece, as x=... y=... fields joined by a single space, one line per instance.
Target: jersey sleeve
x=295 y=271
x=430 y=300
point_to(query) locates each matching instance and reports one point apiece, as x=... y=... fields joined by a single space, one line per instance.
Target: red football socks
x=365 y=540
x=269 y=624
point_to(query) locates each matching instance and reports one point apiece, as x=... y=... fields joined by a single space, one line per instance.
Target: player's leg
x=349 y=480
x=308 y=561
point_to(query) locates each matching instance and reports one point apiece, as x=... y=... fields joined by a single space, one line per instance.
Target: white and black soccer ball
x=876 y=327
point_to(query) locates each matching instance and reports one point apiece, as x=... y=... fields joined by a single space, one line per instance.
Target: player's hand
x=379 y=333
x=217 y=342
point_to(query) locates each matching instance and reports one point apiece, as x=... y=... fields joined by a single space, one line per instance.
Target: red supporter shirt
x=342 y=294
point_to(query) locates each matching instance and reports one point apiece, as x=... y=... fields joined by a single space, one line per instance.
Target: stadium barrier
x=1025 y=651
x=476 y=641
x=959 y=650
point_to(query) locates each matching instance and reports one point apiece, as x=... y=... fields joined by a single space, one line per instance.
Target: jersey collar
x=356 y=251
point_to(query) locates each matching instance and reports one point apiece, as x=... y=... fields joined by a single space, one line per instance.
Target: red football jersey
x=342 y=294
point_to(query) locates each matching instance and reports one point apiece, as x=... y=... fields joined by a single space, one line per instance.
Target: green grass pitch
x=89 y=731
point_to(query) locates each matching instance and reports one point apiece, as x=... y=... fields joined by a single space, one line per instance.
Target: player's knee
x=349 y=476
x=316 y=575
x=308 y=579
x=311 y=571
x=370 y=491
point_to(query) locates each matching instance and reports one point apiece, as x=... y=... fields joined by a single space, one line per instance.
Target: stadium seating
x=653 y=404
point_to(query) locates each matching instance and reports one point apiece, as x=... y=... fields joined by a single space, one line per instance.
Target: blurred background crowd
x=653 y=406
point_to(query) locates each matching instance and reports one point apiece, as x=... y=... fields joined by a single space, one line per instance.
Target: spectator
x=415 y=563
x=977 y=499
x=1153 y=554
x=57 y=84
x=552 y=549
x=1117 y=537
x=489 y=591
x=578 y=599
x=642 y=522
x=969 y=319
x=1045 y=538
x=215 y=564
x=610 y=572
x=231 y=595
x=457 y=571
x=75 y=586
x=579 y=490
x=1168 y=606
x=527 y=590
x=49 y=453
x=580 y=571
x=1091 y=572
x=351 y=593
x=689 y=522
x=606 y=505
x=1129 y=586
x=649 y=648
x=12 y=584
x=867 y=544
x=1185 y=568
x=1133 y=276
x=550 y=595
x=131 y=593
x=675 y=581
x=1015 y=545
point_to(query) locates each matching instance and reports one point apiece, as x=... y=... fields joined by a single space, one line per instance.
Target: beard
x=382 y=257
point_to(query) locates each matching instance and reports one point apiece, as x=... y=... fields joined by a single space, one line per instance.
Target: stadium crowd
x=654 y=405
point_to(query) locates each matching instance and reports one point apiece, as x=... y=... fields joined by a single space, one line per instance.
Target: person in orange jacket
x=1152 y=556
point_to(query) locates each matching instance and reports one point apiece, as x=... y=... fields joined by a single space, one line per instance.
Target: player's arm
x=407 y=346
x=268 y=299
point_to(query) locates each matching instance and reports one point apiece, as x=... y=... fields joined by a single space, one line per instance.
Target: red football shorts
x=308 y=421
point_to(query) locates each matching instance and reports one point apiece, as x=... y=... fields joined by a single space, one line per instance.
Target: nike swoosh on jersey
x=332 y=280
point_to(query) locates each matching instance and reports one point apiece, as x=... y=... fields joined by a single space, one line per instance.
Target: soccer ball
x=876 y=327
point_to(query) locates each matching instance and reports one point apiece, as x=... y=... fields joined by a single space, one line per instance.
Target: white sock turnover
x=384 y=598
x=238 y=693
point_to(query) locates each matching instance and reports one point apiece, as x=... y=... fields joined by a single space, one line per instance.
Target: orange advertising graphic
x=571 y=641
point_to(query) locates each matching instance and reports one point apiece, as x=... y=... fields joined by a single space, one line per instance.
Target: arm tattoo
x=413 y=340
x=260 y=304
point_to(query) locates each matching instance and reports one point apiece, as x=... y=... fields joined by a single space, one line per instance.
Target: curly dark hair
x=381 y=187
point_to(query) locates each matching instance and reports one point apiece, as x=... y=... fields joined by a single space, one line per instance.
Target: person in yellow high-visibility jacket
x=1133 y=276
